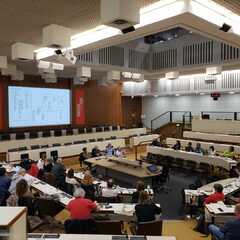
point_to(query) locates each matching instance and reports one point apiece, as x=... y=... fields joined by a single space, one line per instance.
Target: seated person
x=230 y=230
x=156 y=142
x=58 y=170
x=25 y=163
x=83 y=156
x=88 y=186
x=70 y=179
x=198 y=149
x=5 y=182
x=234 y=172
x=47 y=167
x=140 y=188
x=24 y=197
x=19 y=175
x=212 y=151
x=217 y=196
x=146 y=210
x=33 y=170
x=177 y=146
x=109 y=191
x=96 y=152
x=109 y=150
x=81 y=208
x=41 y=161
x=189 y=147
x=118 y=152
x=230 y=153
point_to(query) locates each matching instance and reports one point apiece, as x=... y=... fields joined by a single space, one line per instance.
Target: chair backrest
x=49 y=178
x=33 y=135
x=35 y=147
x=69 y=188
x=20 y=136
x=29 y=203
x=80 y=226
x=109 y=227
x=153 y=228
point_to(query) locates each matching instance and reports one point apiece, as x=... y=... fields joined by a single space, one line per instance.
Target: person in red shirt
x=81 y=208
x=217 y=196
x=33 y=171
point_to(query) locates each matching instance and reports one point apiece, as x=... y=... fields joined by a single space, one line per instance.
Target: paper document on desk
x=220 y=208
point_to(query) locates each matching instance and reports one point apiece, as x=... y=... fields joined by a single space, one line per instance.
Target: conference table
x=230 y=186
x=219 y=213
x=93 y=237
x=123 y=209
x=124 y=170
x=103 y=184
x=124 y=133
x=205 y=145
x=65 y=151
x=212 y=137
x=141 y=140
x=216 y=161
x=216 y=126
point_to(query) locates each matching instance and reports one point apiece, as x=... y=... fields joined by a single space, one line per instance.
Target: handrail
x=235 y=114
x=170 y=116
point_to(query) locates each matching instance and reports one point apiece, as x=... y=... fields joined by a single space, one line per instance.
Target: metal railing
x=171 y=116
x=220 y=115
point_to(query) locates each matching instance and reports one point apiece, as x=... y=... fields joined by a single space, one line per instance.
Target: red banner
x=80 y=109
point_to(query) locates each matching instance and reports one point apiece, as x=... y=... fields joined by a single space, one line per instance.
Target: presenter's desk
x=124 y=170
x=13 y=223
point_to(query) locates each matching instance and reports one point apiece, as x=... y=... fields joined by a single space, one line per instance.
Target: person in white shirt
x=19 y=175
x=212 y=151
x=118 y=152
x=40 y=163
x=109 y=191
x=70 y=178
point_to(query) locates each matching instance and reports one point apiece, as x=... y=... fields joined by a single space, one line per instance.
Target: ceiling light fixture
x=161 y=10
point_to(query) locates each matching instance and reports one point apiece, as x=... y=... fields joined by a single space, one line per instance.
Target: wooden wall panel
x=103 y=104
x=132 y=110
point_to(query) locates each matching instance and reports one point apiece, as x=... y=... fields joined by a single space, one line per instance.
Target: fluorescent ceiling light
x=93 y=35
x=158 y=11
x=215 y=13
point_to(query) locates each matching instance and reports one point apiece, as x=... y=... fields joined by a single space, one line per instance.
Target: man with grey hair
x=19 y=175
x=81 y=208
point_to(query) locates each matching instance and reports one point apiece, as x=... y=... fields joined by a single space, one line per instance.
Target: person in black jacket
x=230 y=230
x=140 y=188
x=5 y=182
x=146 y=210
x=177 y=145
x=59 y=172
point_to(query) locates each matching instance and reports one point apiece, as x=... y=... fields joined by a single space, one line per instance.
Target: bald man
x=230 y=230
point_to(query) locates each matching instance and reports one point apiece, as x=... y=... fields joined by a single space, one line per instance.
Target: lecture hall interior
x=120 y=120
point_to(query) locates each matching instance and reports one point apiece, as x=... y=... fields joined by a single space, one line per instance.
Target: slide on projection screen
x=30 y=106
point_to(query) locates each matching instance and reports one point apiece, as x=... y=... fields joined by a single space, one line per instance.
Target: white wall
x=153 y=107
